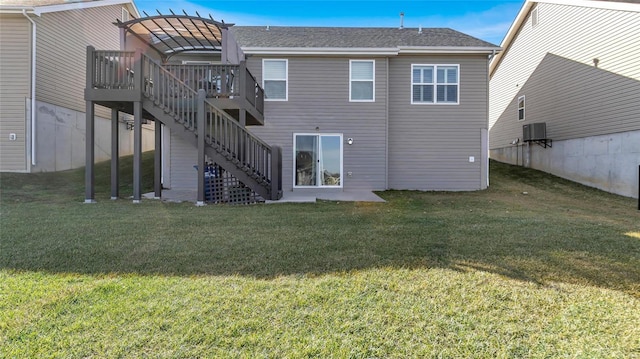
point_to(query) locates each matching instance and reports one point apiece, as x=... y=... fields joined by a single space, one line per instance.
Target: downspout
x=386 y=130
x=33 y=88
x=490 y=57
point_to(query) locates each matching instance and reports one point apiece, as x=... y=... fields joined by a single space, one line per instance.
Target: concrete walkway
x=183 y=195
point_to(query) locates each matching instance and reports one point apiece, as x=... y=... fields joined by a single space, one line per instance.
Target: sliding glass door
x=318 y=160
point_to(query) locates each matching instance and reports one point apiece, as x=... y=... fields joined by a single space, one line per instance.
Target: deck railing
x=216 y=80
x=113 y=69
x=221 y=81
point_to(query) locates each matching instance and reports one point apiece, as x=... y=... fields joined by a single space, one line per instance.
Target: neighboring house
x=42 y=80
x=328 y=109
x=575 y=66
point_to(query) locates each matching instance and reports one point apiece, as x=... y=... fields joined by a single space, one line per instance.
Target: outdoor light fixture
x=350 y=141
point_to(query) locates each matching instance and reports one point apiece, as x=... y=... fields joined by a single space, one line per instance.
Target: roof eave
x=15 y=9
x=38 y=10
x=386 y=51
x=448 y=49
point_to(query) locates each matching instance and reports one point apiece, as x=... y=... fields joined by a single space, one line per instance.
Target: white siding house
x=575 y=66
x=42 y=65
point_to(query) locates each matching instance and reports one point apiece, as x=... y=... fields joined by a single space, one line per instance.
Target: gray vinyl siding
x=15 y=75
x=62 y=40
x=430 y=145
x=318 y=102
x=552 y=65
x=182 y=174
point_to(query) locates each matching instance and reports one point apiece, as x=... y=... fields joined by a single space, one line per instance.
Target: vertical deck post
x=242 y=83
x=89 y=174
x=157 y=164
x=200 y=117
x=137 y=130
x=115 y=155
x=276 y=173
x=137 y=151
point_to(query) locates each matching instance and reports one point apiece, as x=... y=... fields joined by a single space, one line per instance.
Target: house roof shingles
x=351 y=37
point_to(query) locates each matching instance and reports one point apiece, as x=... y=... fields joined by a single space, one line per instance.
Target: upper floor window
x=125 y=15
x=435 y=84
x=274 y=79
x=521 y=108
x=361 y=80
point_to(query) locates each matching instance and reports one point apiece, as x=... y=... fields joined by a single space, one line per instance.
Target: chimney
x=401 y=21
x=420 y=30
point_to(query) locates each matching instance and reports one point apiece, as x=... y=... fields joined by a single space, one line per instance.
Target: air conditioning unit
x=534 y=131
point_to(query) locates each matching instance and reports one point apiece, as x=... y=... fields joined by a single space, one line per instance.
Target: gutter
x=33 y=88
x=366 y=51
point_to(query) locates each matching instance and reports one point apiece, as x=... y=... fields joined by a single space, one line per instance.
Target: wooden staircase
x=193 y=115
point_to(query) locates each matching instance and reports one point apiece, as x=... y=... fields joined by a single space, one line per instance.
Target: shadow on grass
x=559 y=232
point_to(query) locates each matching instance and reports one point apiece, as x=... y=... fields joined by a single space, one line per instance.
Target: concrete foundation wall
x=60 y=137
x=607 y=162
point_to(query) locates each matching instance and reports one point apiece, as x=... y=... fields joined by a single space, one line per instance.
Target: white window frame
x=317 y=134
x=125 y=16
x=523 y=108
x=373 y=80
x=435 y=84
x=285 y=79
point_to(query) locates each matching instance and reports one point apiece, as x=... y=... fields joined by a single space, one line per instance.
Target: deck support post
x=137 y=151
x=276 y=173
x=115 y=154
x=89 y=172
x=157 y=163
x=200 y=121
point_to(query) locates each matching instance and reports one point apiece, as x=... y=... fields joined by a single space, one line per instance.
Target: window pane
x=275 y=69
x=417 y=75
x=447 y=93
x=306 y=160
x=422 y=93
x=362 y=90
x=452 y=93
x=521 y=114
x=441 y=75
x=423 y=74
x=362 y=70
x=452 y=75
x=427 y=74
x=447 y=74
x=275 y=89
x=331 y=166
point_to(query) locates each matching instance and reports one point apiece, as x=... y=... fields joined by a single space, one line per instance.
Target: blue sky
x=487 y=20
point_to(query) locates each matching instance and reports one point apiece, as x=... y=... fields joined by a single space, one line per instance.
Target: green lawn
x=498 y=273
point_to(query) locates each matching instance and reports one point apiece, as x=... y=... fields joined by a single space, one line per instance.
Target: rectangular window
x=274 y=79
x=362 y=81
x=435 y=84
x=521 y=108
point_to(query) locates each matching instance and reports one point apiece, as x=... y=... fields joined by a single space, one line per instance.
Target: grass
x=489 y=274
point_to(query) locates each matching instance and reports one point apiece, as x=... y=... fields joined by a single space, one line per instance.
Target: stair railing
x=221 y=131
